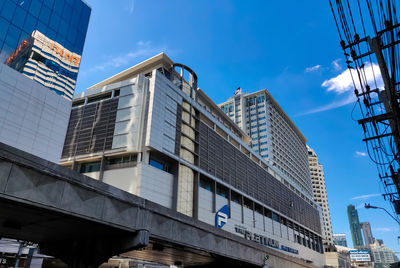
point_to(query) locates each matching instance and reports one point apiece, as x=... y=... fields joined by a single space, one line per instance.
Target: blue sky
x=289 y=47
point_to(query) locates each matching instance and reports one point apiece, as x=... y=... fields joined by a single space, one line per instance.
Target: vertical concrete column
x=196 y=195
x=214 y=197
x=102 y=165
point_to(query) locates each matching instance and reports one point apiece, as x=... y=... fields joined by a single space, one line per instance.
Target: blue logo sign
x=221 y=217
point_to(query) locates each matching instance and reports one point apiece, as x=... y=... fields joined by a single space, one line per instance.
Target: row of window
x=222 y=191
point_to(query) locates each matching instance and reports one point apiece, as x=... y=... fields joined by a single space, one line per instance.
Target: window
x=275 y=217
x=122 y=159
x=222 y=191
x=206 y=183
x=157 y=164
x=89 y=167
x=235 y=197
x=260 y=99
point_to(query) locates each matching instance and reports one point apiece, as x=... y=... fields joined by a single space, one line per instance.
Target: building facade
x=367 y=233
x=339 y=239
x=273 y=135
x=153 y=133
x=41 y=44
x=320 y=195
x=355 y=227
x=382 y=256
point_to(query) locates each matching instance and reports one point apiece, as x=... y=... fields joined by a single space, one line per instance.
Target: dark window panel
x=45 y=14
x=35 y=8
x=59 y=6
x=3 y=28
x=41 y=27
x=54 y=21
x=30 y=24
x=8 y=10
x=25 y=4
x=67 y=12
x=49 y=3
x=12 y=37
x=19 y=17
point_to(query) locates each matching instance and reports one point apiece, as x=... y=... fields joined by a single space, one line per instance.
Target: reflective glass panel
x=43 y=39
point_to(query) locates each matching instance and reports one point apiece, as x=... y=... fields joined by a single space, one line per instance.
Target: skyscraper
x=366 y=229
x=339 y=239
x=355 y=227
x=41 y=43
x=320 y=194
x=273 y=135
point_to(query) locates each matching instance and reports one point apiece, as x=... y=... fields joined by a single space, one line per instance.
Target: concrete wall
x=32 y=117
x=130 y=114
x=161 y=124
x=155 y=185
x=273 y=229
x=143 y=180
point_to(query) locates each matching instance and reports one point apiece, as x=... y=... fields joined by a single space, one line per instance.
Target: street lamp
x=369 y=206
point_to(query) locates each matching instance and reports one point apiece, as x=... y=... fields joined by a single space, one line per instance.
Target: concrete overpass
x=84 y=222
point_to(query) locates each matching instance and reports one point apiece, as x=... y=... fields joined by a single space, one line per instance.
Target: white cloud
x=144 y=49
x=364 y=197
x=313 y=68
x=333 y=105
x=383 y=229
x=361 y=153
x=336 y=66
x=344 y=83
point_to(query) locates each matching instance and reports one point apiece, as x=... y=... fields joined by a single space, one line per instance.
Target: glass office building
x=43 y=39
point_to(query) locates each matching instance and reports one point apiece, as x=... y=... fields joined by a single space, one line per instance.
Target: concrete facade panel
x=27 y=107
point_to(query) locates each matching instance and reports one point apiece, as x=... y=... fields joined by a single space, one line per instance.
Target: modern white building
x=320 y=195
x=150 y=131
x=273 y=135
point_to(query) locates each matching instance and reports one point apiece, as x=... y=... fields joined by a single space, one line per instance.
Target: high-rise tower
x=320 y=194
x=274 y=136
x=366 y=229
x=355 y=227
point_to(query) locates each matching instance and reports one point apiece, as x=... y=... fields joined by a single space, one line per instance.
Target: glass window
x=67 y=12
x=19 y=17
x=63 y=28
x=58 y=6
x=54 y=21
x=35 y=7
x=8 y=9
x=42 y=27
x=25 y=4
x=49 y=3
x=12 y=37
x=275 y=217
x=45 y=15
x=89 y=167
x=30 y=24
x=156 y=164
x=205 y=183
x=75 y=19
x=3 y=28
